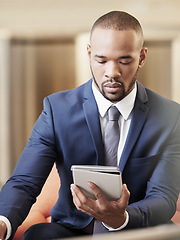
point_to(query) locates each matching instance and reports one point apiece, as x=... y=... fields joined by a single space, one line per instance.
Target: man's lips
x=112 y=86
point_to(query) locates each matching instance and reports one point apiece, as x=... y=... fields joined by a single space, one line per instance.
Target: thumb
x=3 y=229
x=124 y=199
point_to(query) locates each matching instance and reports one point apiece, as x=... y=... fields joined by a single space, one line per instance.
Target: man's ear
x=143 y=56
x=89 y=51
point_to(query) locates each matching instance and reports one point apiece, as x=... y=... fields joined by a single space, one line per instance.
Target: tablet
x=107 y=178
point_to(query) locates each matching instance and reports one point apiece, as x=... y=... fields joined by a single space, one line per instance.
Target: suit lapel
x=139 y=116
x=92 y=117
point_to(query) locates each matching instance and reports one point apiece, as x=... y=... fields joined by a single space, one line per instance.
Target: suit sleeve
x=32 y=170
x=159 y=204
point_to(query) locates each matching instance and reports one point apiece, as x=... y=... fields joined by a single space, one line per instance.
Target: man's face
x=115 y=57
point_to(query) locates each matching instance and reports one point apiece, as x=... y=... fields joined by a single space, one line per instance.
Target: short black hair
x=119 y=20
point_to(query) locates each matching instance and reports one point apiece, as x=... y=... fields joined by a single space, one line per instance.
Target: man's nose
x=112 y=70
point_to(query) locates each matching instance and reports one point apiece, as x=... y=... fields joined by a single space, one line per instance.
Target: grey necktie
x=111 y=137
x=111 y=141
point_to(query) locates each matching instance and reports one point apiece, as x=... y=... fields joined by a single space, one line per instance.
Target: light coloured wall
x=82 y=69
x=69 y=18
x=157 y=71
x=175 y=65
x=5 y=134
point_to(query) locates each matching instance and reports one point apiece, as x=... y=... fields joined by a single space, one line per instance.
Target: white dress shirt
x=125 y=107
x=8 y=224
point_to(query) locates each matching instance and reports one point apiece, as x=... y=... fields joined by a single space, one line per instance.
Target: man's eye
x=125 y=63
x=101 y=62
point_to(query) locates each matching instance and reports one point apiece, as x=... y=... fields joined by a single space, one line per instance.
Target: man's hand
x=111 y=213
x=3 y=229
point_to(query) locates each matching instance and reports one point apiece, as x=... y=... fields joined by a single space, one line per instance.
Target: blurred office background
x=43 y=50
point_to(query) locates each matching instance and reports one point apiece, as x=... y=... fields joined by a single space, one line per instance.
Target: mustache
x=112 y=82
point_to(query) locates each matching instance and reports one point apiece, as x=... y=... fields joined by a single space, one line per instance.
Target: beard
x=114 y=97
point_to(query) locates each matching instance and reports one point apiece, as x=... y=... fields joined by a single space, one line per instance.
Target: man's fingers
x=78 y=196
x=76 y=191
x=74 y=194
x=81 y=201
x=97 y=192
x=124 y=199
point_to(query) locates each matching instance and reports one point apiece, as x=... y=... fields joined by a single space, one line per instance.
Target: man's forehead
x=108 y=37
x=104 y=30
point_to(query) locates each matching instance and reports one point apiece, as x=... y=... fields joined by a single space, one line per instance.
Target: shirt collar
x=124 y=106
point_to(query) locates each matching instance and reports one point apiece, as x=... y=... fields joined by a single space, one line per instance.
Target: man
x=71 y=130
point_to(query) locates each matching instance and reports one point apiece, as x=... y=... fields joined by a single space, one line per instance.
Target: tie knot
x=113 y=113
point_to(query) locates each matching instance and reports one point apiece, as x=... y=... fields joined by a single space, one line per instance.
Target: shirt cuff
x=121 y=227
x=8 y=224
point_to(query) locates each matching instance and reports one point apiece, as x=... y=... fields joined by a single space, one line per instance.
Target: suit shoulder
x=155 y=98
x=162 y=108
x=68 y=96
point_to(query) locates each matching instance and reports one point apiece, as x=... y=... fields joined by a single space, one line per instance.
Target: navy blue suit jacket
x=68 y=132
